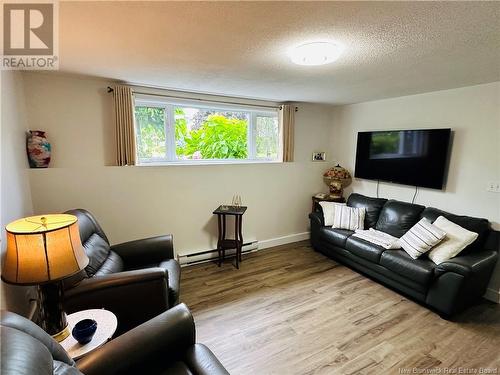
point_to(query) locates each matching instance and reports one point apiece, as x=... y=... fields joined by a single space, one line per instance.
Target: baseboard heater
x=210 y=255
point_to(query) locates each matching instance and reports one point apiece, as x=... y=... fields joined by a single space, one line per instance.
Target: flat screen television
x=409 y=157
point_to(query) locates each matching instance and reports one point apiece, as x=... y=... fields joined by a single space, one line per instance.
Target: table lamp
x=43 y=250
x=337 y=178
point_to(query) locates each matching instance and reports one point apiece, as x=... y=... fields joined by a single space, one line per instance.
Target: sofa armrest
x=469 y=264
x=317 y=218
x=461 y=281
x=133 y=296
x=165 y=337
x=147 y=251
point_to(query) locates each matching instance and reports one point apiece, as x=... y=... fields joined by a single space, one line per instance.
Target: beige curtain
x=287 y=124
x=124 y=125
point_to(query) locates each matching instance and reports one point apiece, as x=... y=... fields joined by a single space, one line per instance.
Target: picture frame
x=319 y=156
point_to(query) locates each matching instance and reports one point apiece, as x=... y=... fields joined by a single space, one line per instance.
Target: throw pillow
x=421 y=238
x=329 y=211
x=457 y=239
x=349 y=218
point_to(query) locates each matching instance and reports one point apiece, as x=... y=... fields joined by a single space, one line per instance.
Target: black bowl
x=84 y=330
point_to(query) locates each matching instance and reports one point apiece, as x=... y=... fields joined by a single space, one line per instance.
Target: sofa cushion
x=328 y=209
x=456 y=240
x=396 y=217
x=112 y=264
x=418 y=270
x=349 y=218
x=421 y=238
x=372 y=206
x=474 y=224
x=334 y=236
x=97 y=249
x=364 y=249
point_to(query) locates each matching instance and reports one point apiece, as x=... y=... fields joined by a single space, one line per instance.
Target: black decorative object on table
x=222 y=242
x=84 y=330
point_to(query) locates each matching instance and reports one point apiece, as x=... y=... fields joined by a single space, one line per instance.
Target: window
x=175 y=131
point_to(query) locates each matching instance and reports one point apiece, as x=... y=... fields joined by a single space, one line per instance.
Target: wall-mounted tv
x=409 y=157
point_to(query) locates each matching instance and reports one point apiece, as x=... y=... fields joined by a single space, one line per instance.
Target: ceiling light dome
x=316 y=53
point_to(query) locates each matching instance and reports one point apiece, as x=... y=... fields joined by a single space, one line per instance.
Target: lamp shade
x=337 y=173
x=43 y=249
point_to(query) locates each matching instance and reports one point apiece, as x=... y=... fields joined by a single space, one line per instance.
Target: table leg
x=223 y=236
x=236 y=220
x=241 y=235
x=219 y=240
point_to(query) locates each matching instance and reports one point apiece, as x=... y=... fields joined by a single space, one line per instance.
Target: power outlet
x=493 y=186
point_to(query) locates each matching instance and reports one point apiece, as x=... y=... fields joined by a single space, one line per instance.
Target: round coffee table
x=106 y=327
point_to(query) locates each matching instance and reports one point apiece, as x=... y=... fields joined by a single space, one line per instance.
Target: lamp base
x=60 y=336
x=52 y=316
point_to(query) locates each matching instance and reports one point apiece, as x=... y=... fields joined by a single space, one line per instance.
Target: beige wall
x=15 y=190
x=474 y=115
x=133 y=202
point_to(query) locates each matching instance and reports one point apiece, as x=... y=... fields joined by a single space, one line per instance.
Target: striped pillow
x=422 y=237
x=351 y=218
x=328 y=209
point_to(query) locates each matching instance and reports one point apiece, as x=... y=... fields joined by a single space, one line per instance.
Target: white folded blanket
x=378 y=238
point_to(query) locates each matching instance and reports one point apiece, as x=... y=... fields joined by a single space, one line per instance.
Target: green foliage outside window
x=218 y=137
x=150 y=132
x=213 y=135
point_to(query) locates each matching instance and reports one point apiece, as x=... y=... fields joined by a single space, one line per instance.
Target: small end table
x=106 y=327
x=222 y=242
x=316 y=200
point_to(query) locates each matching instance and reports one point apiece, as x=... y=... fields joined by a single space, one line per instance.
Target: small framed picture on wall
x=319 y=156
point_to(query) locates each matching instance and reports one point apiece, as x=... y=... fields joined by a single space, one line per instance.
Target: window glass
x=210 y=134
x=150 y=132
x=176 y=132
x=266 y=137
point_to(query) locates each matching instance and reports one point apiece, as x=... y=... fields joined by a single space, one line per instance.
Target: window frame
x=169 y=104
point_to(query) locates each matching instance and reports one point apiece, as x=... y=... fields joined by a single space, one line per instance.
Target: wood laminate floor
x=290 y=310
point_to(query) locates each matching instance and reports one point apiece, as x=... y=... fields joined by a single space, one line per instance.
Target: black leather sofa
x=162 y=345
x=136 y=280
x=446 y=288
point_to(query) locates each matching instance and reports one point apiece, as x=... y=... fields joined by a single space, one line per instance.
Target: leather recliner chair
x=162 y=345
x=136 y=280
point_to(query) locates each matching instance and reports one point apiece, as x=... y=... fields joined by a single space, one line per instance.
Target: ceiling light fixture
x=316 y=53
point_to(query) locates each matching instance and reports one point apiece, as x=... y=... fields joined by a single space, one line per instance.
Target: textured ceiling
x=240 y=48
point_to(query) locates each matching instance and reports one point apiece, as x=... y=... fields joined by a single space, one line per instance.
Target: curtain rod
x=110 y=89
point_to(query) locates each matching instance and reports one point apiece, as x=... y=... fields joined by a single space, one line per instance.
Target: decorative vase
x=38 y=148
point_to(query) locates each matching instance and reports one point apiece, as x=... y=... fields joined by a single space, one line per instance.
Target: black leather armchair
x=137 y=280
x=162 y=345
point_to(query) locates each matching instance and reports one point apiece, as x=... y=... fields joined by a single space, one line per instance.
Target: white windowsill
x=205 y=162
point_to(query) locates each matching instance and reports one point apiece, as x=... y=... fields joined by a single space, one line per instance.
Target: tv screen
x=410 y=157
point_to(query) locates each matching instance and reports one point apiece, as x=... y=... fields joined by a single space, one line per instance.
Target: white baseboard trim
x=492 y=295
x=283 y=240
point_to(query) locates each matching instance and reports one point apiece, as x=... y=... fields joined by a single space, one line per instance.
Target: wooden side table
x=223 y=243
x=106 y=327
x=316 y=200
